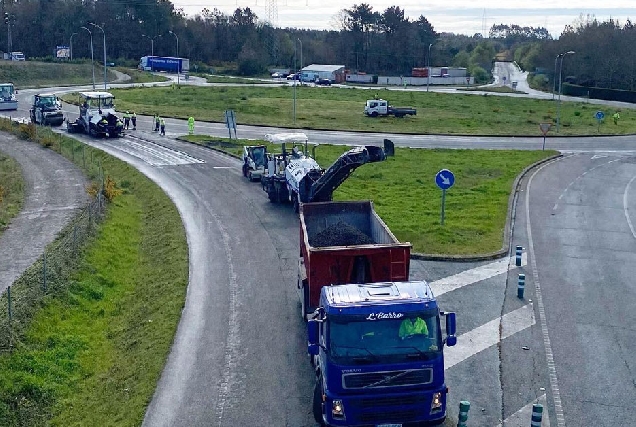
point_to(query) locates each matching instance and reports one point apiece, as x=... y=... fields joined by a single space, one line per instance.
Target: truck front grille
x=387 y=379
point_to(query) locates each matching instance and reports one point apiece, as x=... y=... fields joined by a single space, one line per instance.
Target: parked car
x=277 y=75
x=323 y=82
x=293 y=76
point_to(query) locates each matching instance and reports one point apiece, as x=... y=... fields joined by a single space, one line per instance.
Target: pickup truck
x=381 y=107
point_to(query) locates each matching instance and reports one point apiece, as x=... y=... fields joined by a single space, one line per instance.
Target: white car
x=277 y=75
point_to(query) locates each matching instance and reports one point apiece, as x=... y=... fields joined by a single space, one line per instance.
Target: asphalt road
x=581 y=235
x=238 y=357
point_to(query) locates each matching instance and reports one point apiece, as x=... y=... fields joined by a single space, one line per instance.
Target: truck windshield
x=6 y=90
x=48 y=101
x=364 y=339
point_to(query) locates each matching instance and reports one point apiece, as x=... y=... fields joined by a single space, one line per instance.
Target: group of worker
x=159 y=123
x=130 y=118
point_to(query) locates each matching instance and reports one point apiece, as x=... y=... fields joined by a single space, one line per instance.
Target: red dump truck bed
x=346 y=242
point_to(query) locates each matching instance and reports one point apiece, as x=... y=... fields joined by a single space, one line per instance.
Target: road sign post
x=545 y=128
x=230 y=122
x=444 y=180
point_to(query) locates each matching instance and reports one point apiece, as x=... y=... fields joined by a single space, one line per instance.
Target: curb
x=507 y=228
x=460 y=258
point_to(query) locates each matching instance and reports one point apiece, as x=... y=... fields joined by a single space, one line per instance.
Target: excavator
x=295 y=176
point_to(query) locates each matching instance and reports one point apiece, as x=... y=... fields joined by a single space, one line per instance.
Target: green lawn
x=341 y=109
x=34 y=74
x=11 y=190
x=405 y=195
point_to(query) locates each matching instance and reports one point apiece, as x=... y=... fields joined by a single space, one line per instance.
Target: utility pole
x=71 y=52
x=178 y=63
x=97 y=26
x=92 y=60
x=570 y=52
x=428 y=71
x=301 y=60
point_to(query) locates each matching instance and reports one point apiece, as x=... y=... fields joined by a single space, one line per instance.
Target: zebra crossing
x=152 y=153
x=477 y=366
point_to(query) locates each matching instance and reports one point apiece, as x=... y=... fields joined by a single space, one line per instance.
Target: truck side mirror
x=312 y=337
x=451 y=329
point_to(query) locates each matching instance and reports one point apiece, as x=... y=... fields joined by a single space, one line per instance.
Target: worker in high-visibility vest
x=133 y=119
x=410 y=327
x=156 y=122
x=126 y=120
x=191 y=125
x=162 y=124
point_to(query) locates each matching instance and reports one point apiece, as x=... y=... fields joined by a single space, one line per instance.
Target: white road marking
x=474 y=275
x=626 y=209
x=222 y=167
x=154 y=154
x=487 y=335
x=523 y=416
x=549 y=356
x=597 y=156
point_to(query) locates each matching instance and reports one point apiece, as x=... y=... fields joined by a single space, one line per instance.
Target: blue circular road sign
x=599 y=115
x=444 y=179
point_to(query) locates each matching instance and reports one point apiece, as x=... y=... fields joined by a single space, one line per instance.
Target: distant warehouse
x=313 y=72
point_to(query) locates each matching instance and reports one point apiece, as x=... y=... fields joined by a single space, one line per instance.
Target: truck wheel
x=374 y=114
x=317 y=406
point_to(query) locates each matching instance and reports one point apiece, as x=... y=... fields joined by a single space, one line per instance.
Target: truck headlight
x=436 y=404
x=337 y=408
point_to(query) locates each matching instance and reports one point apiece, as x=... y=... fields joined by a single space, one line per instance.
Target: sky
x=457 y=16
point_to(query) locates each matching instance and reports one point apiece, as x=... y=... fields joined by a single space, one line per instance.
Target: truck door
x=382 y=107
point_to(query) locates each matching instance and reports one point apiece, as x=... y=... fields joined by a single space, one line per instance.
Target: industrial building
x=334 y=73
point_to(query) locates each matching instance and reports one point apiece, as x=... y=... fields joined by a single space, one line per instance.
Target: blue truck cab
x=377 y=350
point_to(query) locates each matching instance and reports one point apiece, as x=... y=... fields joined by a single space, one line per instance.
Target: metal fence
x=51 y=274
x=48 y=276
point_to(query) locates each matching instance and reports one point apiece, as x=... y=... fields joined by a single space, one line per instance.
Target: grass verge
x=46 y=74
x=92 y=355
x=11 y=190
x=342 y=109
x=405 y=195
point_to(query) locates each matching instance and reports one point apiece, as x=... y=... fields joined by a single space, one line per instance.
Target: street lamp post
x=178 y=63
x=152 y=43
x=92 y=61
x=294 y=80
x=97 y=26
x=301 y=60
x=428 y=61
x=562 y=55
x=554 y=89
x=71 y=47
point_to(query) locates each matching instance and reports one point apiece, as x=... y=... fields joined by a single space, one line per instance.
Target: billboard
x=62 y=52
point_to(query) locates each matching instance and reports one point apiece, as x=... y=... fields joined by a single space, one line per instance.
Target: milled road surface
x=54 y=191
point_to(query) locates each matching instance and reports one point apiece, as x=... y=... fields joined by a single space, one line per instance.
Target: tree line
x=362 y=39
